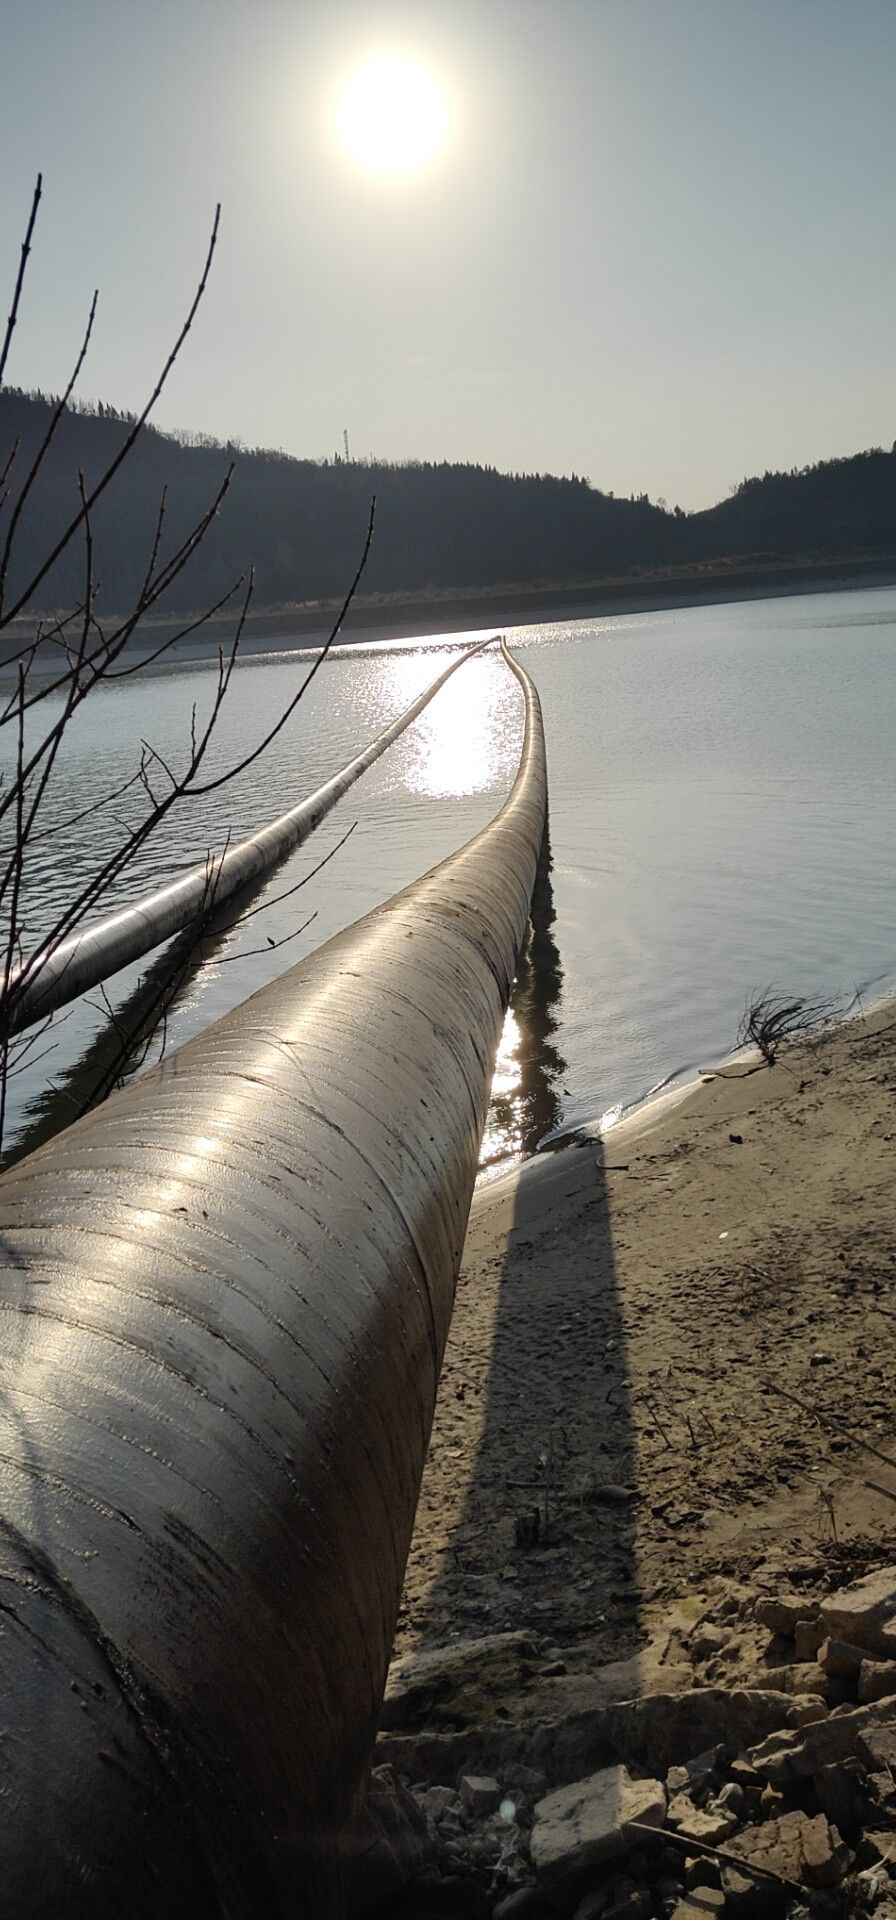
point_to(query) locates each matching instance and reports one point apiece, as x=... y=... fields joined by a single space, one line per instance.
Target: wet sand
x=677 y=1346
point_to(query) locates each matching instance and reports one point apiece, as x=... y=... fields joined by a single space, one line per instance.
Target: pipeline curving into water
x=44 y=982
x=225 y=1297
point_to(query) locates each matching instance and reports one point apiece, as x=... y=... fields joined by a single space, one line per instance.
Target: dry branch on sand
x=770 y=1019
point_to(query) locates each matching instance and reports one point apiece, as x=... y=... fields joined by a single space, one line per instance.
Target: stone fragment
x=842 y=1792
x=700 y=1903
x=806 y=1709
x=731 y=1799
x=780 y=1846
x=449 y=1683
x=883 y=1787
x=877 y=1680
x=701 y=1870
x=703 y=1769
x=707 y=1640
x=822 y=1862
x=840 y=1656
x=783 y=1613
x=877 y=1849
x=865 y=1614
x=836 y=1689
x=797 y=1755
x=437 y=1801
x=876 y=1742
x=807 y=1638
x=579 y=1826
x=747 y=1898
x=480 y=1793
x=697 y=1823
x=810 y=1678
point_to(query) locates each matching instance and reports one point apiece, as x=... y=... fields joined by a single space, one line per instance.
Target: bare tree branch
x=23 y=262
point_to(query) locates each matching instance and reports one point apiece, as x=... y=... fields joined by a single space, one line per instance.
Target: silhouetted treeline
x=301 y=523
x=836 y=508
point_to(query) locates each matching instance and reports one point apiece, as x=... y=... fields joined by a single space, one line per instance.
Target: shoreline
x=304 y=628
x=635 y=1310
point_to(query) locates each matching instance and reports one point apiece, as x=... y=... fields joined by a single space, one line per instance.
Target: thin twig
x=23 y=262
x=728 y=1859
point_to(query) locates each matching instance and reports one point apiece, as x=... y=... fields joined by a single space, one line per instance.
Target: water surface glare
x=722 y=812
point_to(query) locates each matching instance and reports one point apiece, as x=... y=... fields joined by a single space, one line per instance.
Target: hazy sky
x=657 y=246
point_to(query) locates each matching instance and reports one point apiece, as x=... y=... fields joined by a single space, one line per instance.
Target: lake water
x=722 y=816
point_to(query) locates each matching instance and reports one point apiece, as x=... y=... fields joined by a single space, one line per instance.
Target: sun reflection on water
x=467 y=741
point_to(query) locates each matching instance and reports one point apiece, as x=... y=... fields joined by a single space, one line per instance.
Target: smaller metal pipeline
x=40 y=985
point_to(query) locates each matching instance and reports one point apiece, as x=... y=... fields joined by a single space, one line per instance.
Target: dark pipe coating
x=225 y=1296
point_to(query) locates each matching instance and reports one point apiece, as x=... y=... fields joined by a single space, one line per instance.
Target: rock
x=807 y=1638
x=677 y=1780
x=437 y=1801
x=865 y=1613
x=449 y=1683
x=480 y=1793
x=579 y=1826
x=652 y=1731
x=698 y=1904
x=836 y=1689
x=656 y=1730
x=883 y=1787
x=696 y=1823
x=811 y=1679
x=749 y=1899
x=795 y=1847
x=702 y=1771
x=876 y=1741
x=794 y=1756
x=783 y=1614
x=877 y=1680
x=877 y=1849
x=840 y=1656
x=707 y=1640
x=842 y=1793
x=822 y=1858
x=731 y=1799
x=700 y=1870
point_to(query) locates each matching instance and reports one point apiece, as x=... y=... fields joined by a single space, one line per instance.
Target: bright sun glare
x=392 y=113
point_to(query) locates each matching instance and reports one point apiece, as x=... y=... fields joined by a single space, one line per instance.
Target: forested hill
x=301 y=523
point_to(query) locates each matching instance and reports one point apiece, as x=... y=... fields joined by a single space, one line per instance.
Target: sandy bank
x=679 y=1335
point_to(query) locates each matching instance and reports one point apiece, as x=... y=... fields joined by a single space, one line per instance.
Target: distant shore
x=394 y=617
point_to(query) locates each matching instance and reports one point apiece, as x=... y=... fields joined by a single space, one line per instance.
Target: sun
x=392 y=113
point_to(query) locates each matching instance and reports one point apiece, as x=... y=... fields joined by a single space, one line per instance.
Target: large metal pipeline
x=225 y=1296
x=46 y=981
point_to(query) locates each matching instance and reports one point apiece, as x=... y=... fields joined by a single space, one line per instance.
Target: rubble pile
x=749 y=1772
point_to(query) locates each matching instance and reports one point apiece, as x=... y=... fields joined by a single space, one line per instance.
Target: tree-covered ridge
x=440 y=525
